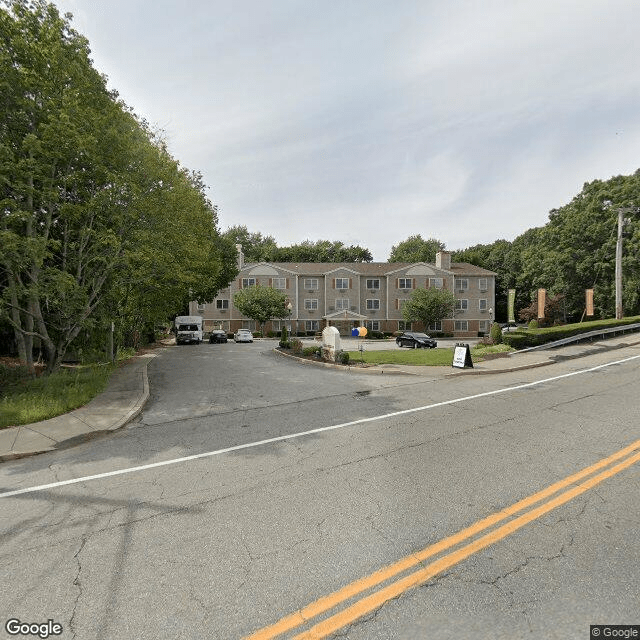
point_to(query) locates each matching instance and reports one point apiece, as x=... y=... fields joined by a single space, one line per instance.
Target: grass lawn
x=427 y=357
x=25 y=400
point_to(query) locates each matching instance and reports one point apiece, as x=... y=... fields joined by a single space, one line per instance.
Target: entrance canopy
x=341 y=316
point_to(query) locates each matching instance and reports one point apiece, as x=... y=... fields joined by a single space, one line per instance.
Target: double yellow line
x=570 y=487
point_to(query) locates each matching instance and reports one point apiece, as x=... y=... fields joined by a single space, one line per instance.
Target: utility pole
x=621 y=221
x=621 y=212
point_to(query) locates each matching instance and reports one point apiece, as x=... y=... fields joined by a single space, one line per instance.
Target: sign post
x=462 y=356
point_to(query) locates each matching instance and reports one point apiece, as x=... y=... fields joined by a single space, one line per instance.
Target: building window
x=373 y=284
x=200 y=307
x=436 y=283
x=276 y=325
x=482 y=284
x=482 y=305
x=436 y=326
x=461 y=284
x=461 y=325
x=484 y=326
x=342 y=303
x=222 y=304
x=279 y=283
x=372 y=325
x=249 y=324
x=248 y=282
x=311 y=304
x=462 y=305
x=373 y=305
x=311 y=283
x=404 y=326
x=342 y=283
x=311 y=325
x=405 y=283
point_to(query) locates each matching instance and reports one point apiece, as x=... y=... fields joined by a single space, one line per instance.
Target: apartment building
x=345 y=295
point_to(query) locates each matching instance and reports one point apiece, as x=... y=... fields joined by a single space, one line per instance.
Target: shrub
x=284 y=338
x=533 y=324
x=311 y=351
x=344 y=357
x=496 y=333
x=296 y=345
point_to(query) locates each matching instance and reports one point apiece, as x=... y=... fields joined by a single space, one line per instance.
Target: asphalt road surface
x=256 y=497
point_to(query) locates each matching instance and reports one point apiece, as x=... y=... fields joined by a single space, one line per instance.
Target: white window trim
x=374 y=281
x=486 y=304
x=311 y=284
x=345 y=304
x=459 y=286
x=372 y=325
x=311 y=304
x=405 y=280
x=220 y=304
x=311 y=325
x=279 y=280
x=433 y=283
x=484 y=287
x=248 y=282
x=464 y=325
x=460 y=306
x=343 y=280
x=373 y=307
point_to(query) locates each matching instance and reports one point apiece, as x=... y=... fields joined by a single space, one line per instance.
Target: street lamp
x=289 y=308
x=490 y=319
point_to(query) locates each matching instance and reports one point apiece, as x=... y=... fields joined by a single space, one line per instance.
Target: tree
x=261 y=304
x=429 y=306
x=97 y=220
x=322 y=251
x=255 y=246
x=415 y=249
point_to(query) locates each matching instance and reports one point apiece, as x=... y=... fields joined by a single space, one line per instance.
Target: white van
x=188 y=329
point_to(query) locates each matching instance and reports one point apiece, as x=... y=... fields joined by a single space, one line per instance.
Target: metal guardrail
x=589 y=335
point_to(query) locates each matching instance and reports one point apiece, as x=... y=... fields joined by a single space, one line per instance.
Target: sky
x=369 y=121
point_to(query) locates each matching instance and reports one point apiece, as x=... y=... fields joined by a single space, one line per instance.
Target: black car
x=416 y=340
x=217 y=335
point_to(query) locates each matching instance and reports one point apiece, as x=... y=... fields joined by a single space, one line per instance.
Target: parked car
x=217 y=335
x=416 y=340
x=243 y=335
x=509 y=327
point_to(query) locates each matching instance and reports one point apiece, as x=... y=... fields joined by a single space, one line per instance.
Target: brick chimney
x=443 y=260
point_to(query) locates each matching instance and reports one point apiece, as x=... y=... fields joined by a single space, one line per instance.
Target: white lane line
x=301 y=434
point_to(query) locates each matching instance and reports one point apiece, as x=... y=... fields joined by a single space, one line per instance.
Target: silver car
x=243 y=335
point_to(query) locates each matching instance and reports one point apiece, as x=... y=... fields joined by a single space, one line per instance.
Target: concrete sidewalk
x=128 y=391
x=123 y=399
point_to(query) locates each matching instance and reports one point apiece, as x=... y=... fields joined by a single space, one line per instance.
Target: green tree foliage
x=574 y=251
x=259 y=248
x=96 y=218
x=255 y=246
x=322 y=251
x=261 y=304
x=429 y=306
x=415 y=249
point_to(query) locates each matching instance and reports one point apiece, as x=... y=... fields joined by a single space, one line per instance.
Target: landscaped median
x=424 y=357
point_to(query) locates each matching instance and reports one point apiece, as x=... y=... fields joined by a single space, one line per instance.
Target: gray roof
x=369 y=268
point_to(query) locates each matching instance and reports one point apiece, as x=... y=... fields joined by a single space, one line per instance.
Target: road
x=312 y=480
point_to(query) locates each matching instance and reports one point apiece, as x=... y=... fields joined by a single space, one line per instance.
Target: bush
x=311 y=351
x=533 y=324
x=344 y=357
x=284 y=338
x=296 y=345
x=496 y=333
